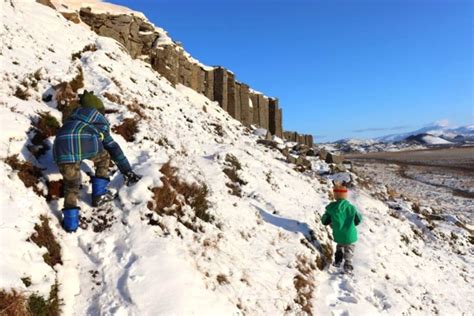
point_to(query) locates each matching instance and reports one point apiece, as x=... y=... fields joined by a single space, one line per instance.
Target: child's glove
x=131 y=178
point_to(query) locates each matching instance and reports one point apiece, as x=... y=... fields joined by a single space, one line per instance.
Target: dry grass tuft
x=218 y=129
x=304 y=284
x=325 y=257
x=416 y=207
x=78 y=81
x=44 y=237
x=231 y=172
x=137 y=108
x=233 y=161
x=28 y=173
x=38 y=306
x=171 y=198
x=47 y=124
x=55 y=190
x=13 y=304
x=22 y=93
x=114 y=98
x=127 y=129
x=88 y=48
x=222 y=279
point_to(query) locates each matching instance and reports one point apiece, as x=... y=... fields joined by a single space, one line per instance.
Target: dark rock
x=47 y=3
x=220 y=87
x=246 y=115
x=333 y=158
x=72 y=16
x=323 y=154
x=268 y=143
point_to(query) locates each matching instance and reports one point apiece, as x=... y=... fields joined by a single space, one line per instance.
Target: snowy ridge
x=247 y=259
x=439 y=129
x=97 y=6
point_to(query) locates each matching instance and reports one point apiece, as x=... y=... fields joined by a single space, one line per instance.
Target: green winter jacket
x=344 y=218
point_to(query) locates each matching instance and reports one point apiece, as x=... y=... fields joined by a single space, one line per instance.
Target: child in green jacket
x=343 y=218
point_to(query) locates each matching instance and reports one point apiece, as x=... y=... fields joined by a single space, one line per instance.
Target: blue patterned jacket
x=85 y=134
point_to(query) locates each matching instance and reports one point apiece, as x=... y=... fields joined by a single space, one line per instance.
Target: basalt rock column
x=263 y=111
x=233 y=97
x=274 y=119
x=309 y=140
x=246 y=113
x=279 y=123
x=220 y=87
x=165 y=60
x=209 y=84
x=254 y=98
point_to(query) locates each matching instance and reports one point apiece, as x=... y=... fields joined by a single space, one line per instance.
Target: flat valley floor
x=442 y=179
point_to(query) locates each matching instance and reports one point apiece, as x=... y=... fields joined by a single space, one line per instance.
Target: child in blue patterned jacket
x=86 y=135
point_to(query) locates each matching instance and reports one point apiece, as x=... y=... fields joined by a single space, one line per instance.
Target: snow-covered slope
x=428 y=139
x=440 y=129
x=255 y=254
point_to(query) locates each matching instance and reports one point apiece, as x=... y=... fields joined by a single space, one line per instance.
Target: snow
x=433 y=140
x=133 y=268
x=96 y=5
x=439 y=128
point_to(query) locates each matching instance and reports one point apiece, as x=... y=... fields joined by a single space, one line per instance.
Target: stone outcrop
x=143 y=40
x=322 y=154
x=275 y=114
x=246 y=112
x=137 y=35
x=299 y=138
x=333 y=158
x=220 y=87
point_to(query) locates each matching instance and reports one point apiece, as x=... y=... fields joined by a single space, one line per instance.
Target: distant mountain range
x=440 y=130
x=438 y=134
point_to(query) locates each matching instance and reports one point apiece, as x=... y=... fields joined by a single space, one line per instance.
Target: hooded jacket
x=85 y=134
x=343 y=218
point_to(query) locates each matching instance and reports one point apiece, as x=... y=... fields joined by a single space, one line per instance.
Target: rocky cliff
x=143 y=40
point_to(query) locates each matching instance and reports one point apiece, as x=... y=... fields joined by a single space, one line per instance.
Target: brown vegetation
x=231 y=173
x=28 y=173
x=78 y=81
x=88 y=48
x=22 y=93
x=218 y=129
x=133 y=106
x=127 y=129
x=325 y=257
x=55 y=190
x=44 y=237
x=171 y=198
x=38 y=306
x=47 y=124
x=13 y=304
x=304 y=284
x=66 y=93
x=222 y=279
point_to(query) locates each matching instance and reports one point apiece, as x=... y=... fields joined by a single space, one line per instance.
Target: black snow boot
x=348 y=268
x=338 y=257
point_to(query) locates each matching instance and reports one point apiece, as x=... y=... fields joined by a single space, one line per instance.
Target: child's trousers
x=345 y=252
x=71 y=173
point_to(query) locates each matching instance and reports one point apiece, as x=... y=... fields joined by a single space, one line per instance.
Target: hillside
x=434 y=135
x=220 y=224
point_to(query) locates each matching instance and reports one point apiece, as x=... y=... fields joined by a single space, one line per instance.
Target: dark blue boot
x=70 y=220
x=100 y=194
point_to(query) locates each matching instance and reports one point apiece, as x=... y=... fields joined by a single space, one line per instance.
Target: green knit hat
x=89 y=100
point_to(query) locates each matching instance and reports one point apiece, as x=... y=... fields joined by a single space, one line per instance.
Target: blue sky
x=341 y=68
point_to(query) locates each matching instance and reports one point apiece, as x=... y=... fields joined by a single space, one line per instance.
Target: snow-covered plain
x=243 y=262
